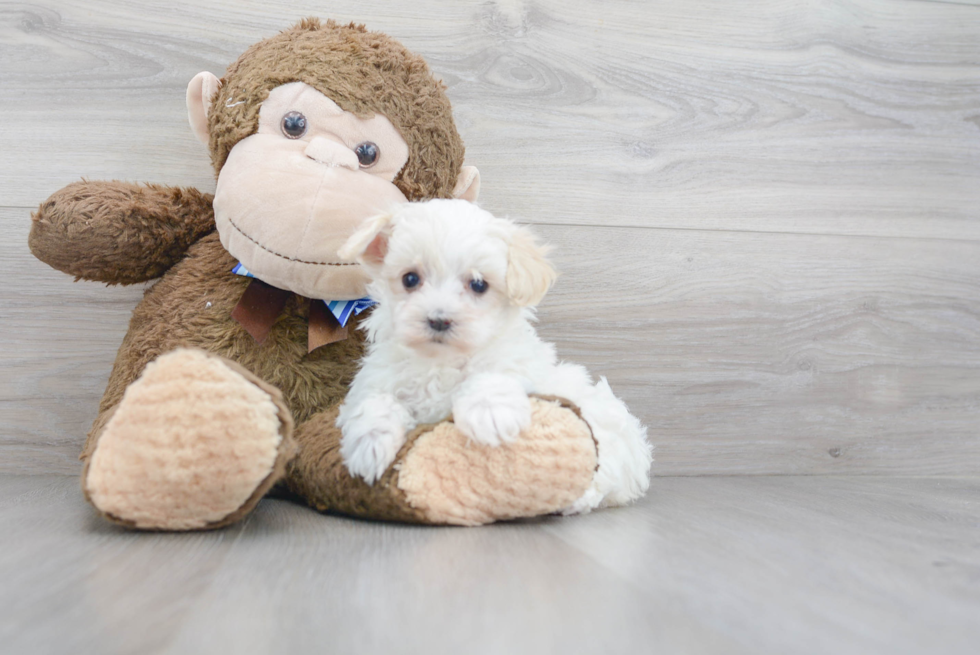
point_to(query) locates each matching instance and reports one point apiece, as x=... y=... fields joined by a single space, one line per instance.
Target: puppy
x=452 y=334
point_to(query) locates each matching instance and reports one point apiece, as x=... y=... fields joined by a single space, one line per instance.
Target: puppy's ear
x=369 y=244
x=529 y=273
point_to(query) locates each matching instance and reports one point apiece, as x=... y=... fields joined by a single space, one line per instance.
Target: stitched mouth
x=287 y=257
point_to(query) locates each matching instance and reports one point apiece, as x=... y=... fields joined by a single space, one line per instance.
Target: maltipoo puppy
x=452 y=334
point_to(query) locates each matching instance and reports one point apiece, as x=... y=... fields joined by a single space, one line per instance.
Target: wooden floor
x=728 y=565
x=767 y=215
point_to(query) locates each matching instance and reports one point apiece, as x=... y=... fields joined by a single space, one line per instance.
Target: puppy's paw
x=373 y=434
x=370 y=454
x=492 y=418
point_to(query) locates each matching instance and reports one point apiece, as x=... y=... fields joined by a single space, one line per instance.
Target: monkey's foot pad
x=548 y=467
x=195 y=443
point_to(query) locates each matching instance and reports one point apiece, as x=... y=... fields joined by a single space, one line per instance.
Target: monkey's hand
x=118 y=232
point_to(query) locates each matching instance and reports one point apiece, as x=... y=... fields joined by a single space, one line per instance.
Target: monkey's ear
x=369 y=244
x=529 y=273
x=200 y=95
x=468 y=184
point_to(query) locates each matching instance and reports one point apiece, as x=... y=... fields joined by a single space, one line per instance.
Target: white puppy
x=452 y=334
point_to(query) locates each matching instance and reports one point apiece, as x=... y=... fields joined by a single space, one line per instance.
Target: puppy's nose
x=440 y=324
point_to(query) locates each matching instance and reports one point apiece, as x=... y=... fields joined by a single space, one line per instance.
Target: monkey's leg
x=194 y=443
x=440 y=477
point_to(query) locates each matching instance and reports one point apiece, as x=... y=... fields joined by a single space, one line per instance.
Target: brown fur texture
x=117 y=232
x=364 y=73
x=191 y=308
x=319 y=476
x=123 y=233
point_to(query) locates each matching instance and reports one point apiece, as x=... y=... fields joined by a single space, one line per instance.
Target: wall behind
x=766 y=215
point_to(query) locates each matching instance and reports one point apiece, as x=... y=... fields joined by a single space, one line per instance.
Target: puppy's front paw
x=373 y=434
x=369 y=455
x=495 y=418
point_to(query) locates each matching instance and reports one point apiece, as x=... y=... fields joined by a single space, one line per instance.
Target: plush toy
x=227 y=384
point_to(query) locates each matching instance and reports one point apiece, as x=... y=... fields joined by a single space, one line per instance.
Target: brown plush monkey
x=226 y=385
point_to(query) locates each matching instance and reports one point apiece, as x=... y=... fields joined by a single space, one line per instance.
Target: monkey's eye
x=367 y=153
x=479 y=286
x=294 y=125
x=411 y=280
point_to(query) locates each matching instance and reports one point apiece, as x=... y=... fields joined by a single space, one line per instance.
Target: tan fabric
x=284 y=206
x=327 y=123
x=452 y=480
x=284 y=216
x=468 y=185
x=189 y=422
x=200 y=92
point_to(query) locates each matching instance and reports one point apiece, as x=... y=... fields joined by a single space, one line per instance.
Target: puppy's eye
x=479 y=286
x=367 y=154
x=293 y=125
x=411 y=280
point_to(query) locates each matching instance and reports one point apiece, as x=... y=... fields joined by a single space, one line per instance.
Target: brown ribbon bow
x=262 y=304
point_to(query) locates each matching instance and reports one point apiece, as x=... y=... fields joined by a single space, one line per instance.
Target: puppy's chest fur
x=427 y=386
x=426 y=390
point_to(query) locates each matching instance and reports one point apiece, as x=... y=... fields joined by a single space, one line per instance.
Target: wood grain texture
x=743 y=352
x=774 y=353
x=766 y=215
x=703 y=565
x=59 y=341
x=859 y=117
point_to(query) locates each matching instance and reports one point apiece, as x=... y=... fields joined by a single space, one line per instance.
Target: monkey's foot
x=195 y=443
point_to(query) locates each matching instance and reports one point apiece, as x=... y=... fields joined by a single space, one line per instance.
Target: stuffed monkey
x=227 y=384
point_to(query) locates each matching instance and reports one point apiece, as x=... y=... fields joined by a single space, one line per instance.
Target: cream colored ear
x=369 y=244
x=467 y=184
x=200 y=94
x=529 y=273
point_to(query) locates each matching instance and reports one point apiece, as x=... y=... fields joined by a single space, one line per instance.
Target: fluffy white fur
x=441 y=346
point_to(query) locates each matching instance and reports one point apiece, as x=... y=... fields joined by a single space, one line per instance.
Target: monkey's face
x=290 y=195
x=298 y=170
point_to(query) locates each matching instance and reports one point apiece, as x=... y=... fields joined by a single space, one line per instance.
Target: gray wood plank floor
x=703 y=565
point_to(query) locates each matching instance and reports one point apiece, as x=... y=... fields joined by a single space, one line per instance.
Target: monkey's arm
x=118 y=232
